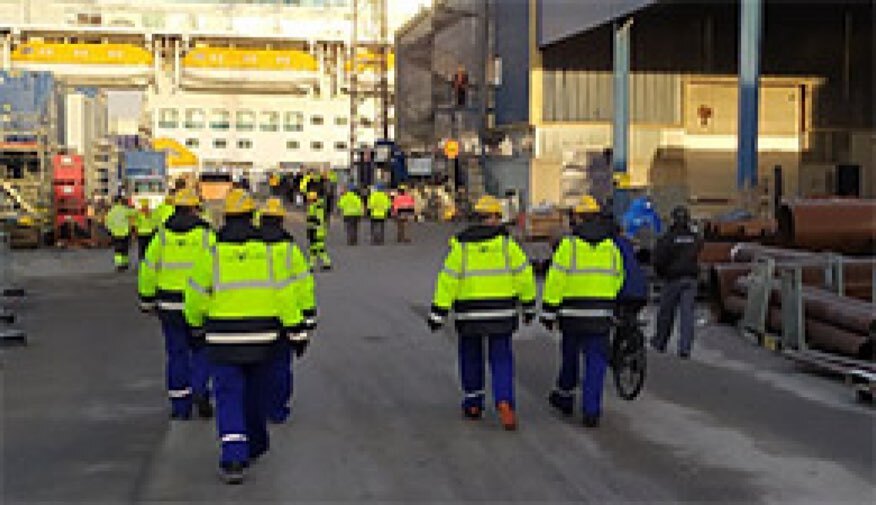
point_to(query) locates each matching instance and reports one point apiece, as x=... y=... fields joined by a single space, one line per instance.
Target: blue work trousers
x=241 y=410
x=595 y=350
x=280 y=393
x=471 y=368
x=188 y=369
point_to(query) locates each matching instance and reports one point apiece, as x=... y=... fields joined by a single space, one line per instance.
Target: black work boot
x=232 y=473
x=203 y=406
x=561 y=402
x=591 y=421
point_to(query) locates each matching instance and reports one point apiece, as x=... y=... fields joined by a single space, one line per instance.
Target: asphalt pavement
x=376 y=408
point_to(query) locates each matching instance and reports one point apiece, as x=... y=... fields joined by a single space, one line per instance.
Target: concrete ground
x=376 y=417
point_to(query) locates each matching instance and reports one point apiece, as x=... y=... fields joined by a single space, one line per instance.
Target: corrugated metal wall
x=577 y=95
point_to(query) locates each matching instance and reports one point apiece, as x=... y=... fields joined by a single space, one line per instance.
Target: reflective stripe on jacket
x=483 y=282
x=583 y=281
x=167 y=264
x=238 y=295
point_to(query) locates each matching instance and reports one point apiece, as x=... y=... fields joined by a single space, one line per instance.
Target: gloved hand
x=298 y=341
x=435 y=322
x=528 y=317
x=299 y=347
x=548 y=323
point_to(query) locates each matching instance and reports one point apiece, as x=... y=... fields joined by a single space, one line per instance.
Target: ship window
x=194 y=119
x=245 y=120
x=168 y=118
x=293 y=121
x=220 y=119
x=270 y=121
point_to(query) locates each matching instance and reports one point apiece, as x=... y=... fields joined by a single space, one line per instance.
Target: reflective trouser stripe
x=475 y=394
x=234 y=437
x=179 y=393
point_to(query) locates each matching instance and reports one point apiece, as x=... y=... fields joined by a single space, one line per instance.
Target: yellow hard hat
x=488 y=204
x=274 y=207
x=587 y=205
x=312 y=196
x=186 y=197
x=239 y=201
x=168 y=199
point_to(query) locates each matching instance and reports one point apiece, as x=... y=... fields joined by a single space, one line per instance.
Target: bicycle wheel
x=629 y=367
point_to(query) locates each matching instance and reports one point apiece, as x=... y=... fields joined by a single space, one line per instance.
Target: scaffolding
x=454 y=36
x=370 y=36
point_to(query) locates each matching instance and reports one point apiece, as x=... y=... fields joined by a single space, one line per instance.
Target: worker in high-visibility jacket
x=287 y=254
x=485 y=280
x=592 y=271
x=163 y=275
x=145 y=226
x=352 y=208
x=316 y=232
x=242 y=302
x=379 y=206
x=118 y=221
x=403 y=207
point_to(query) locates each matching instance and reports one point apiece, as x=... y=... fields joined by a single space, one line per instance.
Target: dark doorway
x=848 y=180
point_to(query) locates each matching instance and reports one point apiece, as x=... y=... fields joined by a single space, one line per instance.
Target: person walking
x=403 y=210
x=145 y=226
x=316 y=232
x=379 y=206
x=242 y=302
x=286 y=253
x=591 y=272
x=485 y=280
x=676 y=262
x=353 y=209
x=162 y=278
x=118 y=221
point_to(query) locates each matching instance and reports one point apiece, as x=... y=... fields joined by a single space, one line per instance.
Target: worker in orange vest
x=403 y=209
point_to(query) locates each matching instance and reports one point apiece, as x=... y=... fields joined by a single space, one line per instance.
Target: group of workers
x=488 y=283
x=235 y=305
x=380 y=207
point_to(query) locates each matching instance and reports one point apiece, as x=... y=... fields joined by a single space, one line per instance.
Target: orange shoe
x=473 y=413
x=506 y=416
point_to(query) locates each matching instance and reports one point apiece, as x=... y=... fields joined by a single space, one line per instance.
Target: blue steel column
x=621 y=127
x=749 y=84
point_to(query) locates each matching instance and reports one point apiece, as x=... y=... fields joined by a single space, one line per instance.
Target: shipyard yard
x=375 y=417
x=551 y=251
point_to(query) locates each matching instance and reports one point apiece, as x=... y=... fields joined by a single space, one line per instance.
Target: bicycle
x=628 y=357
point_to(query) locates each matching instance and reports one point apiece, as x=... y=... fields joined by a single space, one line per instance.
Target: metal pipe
x=836 y=225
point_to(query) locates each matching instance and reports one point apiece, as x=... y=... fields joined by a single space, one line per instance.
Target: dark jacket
x=272 y=231
x=676 y=254
x=238 y=230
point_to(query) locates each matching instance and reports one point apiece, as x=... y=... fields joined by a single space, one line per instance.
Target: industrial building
x=548 y=102
x=237 y=87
